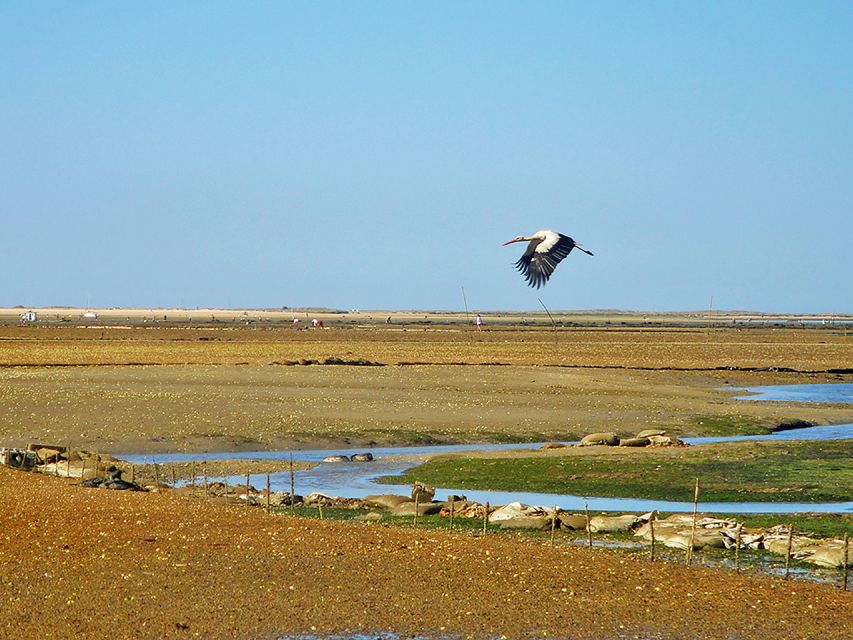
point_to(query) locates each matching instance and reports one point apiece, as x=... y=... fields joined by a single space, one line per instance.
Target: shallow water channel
x=358 y=479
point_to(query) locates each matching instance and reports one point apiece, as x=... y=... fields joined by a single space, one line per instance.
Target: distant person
x=479 y=322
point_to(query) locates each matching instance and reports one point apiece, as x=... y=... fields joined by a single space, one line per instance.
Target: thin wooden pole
x=486 y=518
x=268 y=493
x=588 y=527
x=553 y=523
x=174 y=479
x=247 y=487
x=292 y=484
x=206 y=483
x=320 y=508
x=652 y=529
x=417 y=508
x=737 y=547
x=67 y=461
x=192 y=474
x=846 y=560
x=452 y=509
x=83 y=470
x=788 y=551
x=693 y=524
x=156 y=474
x=225 y=483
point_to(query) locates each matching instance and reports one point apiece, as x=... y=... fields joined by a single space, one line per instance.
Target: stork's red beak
x=510 y=242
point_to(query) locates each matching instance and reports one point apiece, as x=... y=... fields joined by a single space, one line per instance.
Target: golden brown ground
x=90 y=563
x=591 y=380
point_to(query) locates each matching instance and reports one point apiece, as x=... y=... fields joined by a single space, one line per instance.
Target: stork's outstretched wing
x=542 y=257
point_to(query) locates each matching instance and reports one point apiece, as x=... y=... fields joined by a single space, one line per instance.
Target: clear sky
x=376 y=154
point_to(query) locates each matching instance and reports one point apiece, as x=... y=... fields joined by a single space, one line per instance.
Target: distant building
x=29 y=316
x=91 y=315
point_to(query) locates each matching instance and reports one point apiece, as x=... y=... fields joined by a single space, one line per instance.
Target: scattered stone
x=554 y=445
x=336 y=459
x=422 y=492
x=362 y=457
x=651 y=432
x=423 y=508
x=385 y=501
x=634 y=442
x=572 y=522
x=613 y=524
x=594 y=439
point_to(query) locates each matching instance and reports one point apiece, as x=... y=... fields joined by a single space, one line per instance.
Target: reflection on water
x=358 y=479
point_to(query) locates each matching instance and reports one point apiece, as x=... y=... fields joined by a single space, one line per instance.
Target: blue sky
x=376 y=155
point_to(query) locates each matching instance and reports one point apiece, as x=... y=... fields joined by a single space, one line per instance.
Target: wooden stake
x=292 y=484
x=452 y=506
x=174 y=479
x=156 y=474
x=206 y=484
x=693 y=524
x=225 y=483
x=486 y=519
x=320 y=508
x=737 y=547
x=652 y=529
x=192 y=474
x=788 y=551
x=132 y=471
x=846 y=559
x=588 y=528
x=67 y=461
x=247 y=488
x=553 y=523
x=268 y=493
x=417 y=508
x=83 y=470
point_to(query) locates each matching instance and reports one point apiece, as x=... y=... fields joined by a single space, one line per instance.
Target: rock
x=336 y=459
x=515 y=510
x=613 y=524
x=825 y=553
x=369 y=517
x=651 y=432
x=634 y=442
x=48 y=455
x=362 y=457
x=573 y=522
x=536 y=522
x=317 y=498
x=454 y=498
x=593 y=439
x=554 y=445
x=385 y=501
x=665 y=441
x=422 y=492
x=424 y=508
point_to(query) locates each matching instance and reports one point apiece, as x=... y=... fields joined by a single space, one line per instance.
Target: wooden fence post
x=417 y=508
x=737 y=547
x=788 y=551
x=268 y=493
x=292 y=485
x=693 y=524
x=846 y=559
x=553 y=523
x=452 y=506
x=652 y=530
x=486 y=518
x=588 y=527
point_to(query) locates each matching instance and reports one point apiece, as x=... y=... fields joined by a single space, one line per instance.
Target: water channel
x=359 y=479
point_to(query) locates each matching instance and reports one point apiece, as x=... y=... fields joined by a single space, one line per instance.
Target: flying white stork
x=543 y=254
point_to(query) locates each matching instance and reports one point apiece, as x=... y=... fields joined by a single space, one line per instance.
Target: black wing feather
x=538 y=267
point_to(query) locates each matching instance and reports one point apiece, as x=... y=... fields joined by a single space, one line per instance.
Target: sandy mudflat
x=91 y=563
